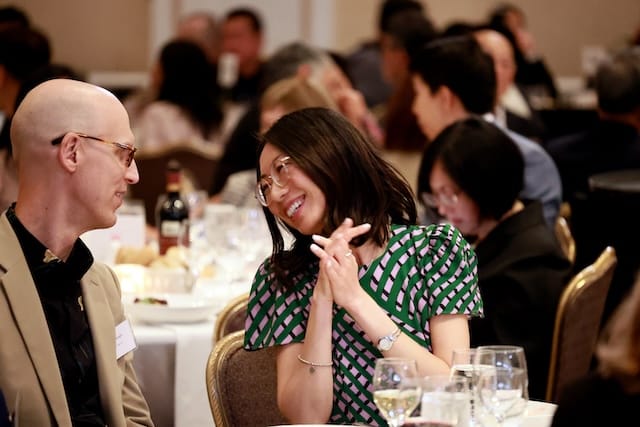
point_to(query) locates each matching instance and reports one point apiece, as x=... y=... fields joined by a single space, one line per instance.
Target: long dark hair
x=188 y=80
x=356 y=182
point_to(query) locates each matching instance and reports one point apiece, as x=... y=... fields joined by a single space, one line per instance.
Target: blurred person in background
x=613 y=142
x=294 y=59
x=242 y=36
x=472 y=173
x=531 y=71
x=201 y=28
x=365 y=63
x=22 y=51
x=187 y=108
x=407 y=31
x=512 y=110
x=11 y=16
x=453 y=79
x=197 y=27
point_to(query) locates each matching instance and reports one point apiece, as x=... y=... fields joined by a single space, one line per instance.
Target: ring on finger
x=348 y=253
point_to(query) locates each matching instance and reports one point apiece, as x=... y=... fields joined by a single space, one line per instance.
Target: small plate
x=180 y=308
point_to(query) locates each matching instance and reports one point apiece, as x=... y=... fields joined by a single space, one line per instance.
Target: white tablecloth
x=170 y=363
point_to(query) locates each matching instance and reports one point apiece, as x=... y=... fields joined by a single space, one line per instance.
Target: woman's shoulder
x=434 y=235
x=441 y=242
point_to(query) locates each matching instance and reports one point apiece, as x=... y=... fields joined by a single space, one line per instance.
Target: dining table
x=537 y=414
x=171 y=357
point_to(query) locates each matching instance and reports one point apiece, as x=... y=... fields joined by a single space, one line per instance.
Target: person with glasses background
x=60 y=312
x=472 y=174
x=360 y=281
x=453 y=79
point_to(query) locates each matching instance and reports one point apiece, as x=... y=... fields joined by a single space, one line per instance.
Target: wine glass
x=500 y=389
x=395 y=397
x=513 y=356
x=467 y=362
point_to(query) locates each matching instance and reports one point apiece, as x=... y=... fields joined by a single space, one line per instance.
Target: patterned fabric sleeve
x=426 y=272
x=451 y=274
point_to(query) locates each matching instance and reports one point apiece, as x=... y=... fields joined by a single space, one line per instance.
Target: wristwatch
x=386 y=342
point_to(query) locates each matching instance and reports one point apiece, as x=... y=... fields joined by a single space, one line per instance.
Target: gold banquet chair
x=577 y=323
x=242 y=385
x=231 y=318
x=565 y=238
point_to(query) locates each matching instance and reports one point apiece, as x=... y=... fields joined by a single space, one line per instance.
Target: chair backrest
x=232 y=317
x=242 y=385
x=198 y=168
x=565 y=238
x=577 y=323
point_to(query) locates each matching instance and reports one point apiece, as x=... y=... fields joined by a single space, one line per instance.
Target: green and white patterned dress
x=424 y=272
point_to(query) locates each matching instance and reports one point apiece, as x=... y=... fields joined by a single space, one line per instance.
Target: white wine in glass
x=395 y=397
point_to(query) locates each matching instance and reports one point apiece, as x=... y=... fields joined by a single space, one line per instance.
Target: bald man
x=512 y=109
x=60 y=312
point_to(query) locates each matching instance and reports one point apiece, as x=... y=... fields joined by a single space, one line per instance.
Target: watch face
x=384 y=344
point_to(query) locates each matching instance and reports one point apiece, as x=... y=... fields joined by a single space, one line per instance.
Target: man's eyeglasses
x=126 y=151
x=439 y=199
x=279 y=176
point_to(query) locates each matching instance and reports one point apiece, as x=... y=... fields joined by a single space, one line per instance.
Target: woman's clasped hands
x=338 y=278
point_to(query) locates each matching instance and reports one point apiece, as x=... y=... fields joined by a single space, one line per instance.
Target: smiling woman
x=360 y=282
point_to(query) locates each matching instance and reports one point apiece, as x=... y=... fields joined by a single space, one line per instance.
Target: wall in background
x=124 y=35
x=561 y=28
x=93 y=34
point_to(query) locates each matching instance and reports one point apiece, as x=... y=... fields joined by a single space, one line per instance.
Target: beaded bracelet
x=313 y=365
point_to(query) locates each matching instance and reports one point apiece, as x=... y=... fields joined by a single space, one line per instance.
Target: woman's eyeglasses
x=126 y=151
x=439 y=199
x=279 y=175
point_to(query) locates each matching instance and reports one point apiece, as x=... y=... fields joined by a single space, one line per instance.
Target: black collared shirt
x=58 y=285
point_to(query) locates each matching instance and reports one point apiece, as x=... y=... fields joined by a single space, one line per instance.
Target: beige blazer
x=28 y=365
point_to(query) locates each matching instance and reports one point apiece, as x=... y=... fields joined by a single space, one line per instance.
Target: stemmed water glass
x=513 y=357
x=468 y=362
x=500 y=389
x=395 y=397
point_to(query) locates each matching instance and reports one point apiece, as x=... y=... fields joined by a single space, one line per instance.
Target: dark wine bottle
x=172 y=217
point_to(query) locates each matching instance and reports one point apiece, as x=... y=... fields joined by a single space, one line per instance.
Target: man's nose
x=131 y=175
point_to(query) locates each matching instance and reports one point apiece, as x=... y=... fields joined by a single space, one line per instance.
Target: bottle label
x=173 y=233
x=170 y=229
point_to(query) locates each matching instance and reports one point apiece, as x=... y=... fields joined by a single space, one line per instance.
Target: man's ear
x=68 y=152
x=447 y=98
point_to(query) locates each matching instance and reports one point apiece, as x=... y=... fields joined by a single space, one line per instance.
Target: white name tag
x=125 y=341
